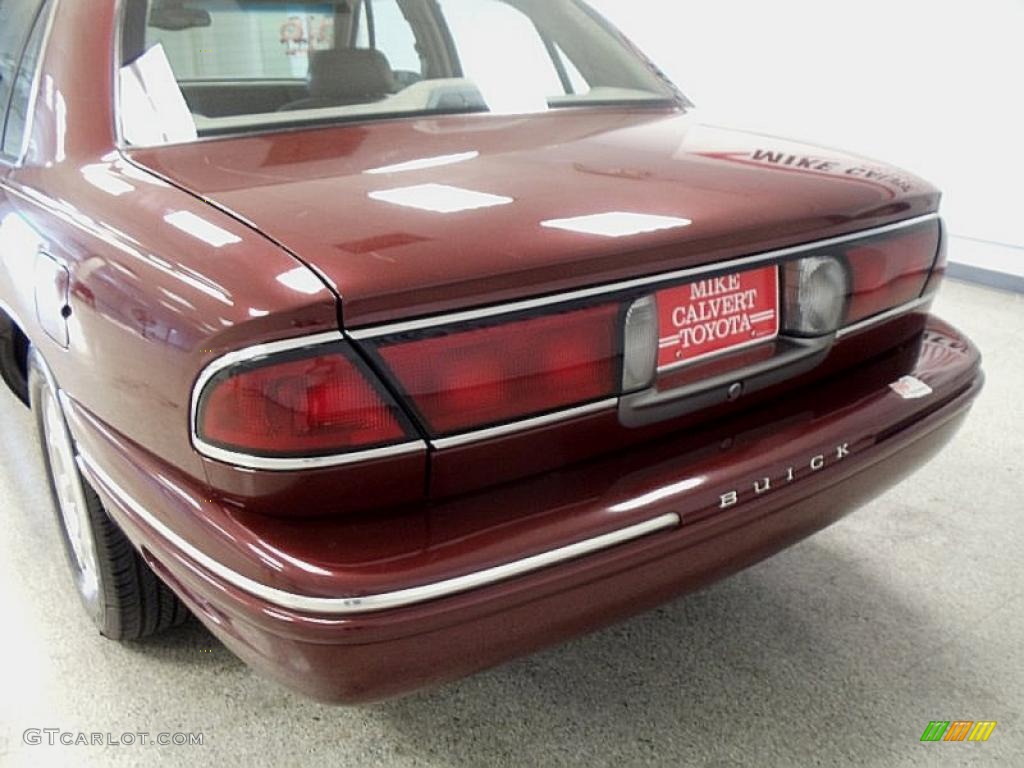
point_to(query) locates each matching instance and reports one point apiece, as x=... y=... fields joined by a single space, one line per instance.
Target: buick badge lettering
x=763 y=485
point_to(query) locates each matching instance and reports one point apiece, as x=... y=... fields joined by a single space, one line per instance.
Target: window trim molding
x=12 y=162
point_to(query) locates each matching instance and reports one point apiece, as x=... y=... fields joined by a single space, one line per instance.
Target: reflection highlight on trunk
x=617 y=223
x=424 y=163
x=201 y=229
x=440 y=198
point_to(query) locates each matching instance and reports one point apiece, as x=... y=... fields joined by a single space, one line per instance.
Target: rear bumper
x=358 y=609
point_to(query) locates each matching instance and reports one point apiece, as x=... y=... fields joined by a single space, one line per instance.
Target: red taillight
x=298 y=404
x=890 y=271
x=477 y=377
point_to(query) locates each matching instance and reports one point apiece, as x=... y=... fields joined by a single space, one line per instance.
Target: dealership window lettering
x=811 y=163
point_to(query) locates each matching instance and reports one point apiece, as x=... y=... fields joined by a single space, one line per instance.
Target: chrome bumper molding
x=902 y=309
x=363 y=604
x=524 y=425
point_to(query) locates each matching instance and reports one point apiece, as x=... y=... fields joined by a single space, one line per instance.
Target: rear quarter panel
x=161 y=282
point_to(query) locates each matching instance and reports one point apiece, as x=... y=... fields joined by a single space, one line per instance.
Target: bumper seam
x=356 y=605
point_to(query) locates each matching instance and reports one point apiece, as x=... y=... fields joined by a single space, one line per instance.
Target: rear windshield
x=201 y=68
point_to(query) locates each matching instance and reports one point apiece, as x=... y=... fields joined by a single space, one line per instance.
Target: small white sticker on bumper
x=910 y=388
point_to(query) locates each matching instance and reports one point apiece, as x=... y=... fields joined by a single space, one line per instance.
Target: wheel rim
x=71 y=504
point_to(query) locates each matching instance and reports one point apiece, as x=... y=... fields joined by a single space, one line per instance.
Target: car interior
x=232 y=59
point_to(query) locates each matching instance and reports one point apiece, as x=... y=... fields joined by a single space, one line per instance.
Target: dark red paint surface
x=310 y=190
x=306 y=248
x=152 y=305
x=369 y=657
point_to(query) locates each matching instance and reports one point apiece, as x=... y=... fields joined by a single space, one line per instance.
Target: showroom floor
x=836 y=652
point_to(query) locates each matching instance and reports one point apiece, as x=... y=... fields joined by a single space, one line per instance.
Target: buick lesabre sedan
x=396 y=338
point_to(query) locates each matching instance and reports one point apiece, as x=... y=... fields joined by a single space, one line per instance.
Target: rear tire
x=120 y=592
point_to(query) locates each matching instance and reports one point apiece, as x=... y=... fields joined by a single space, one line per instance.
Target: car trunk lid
x=416 y=217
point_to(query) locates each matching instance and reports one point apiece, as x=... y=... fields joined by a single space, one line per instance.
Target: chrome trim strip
x=308 y=462
x=115 y=85
x=347 y=606
x=626 y=285
x=279 y=464
x=521 y=426
x=910 y=306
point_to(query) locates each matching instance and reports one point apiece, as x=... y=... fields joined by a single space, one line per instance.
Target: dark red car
x=394 y=339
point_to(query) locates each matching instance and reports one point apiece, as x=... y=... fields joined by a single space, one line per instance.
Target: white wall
x=934 y=86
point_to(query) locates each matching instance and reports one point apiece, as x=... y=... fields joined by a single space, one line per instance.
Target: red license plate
x=717 y=314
